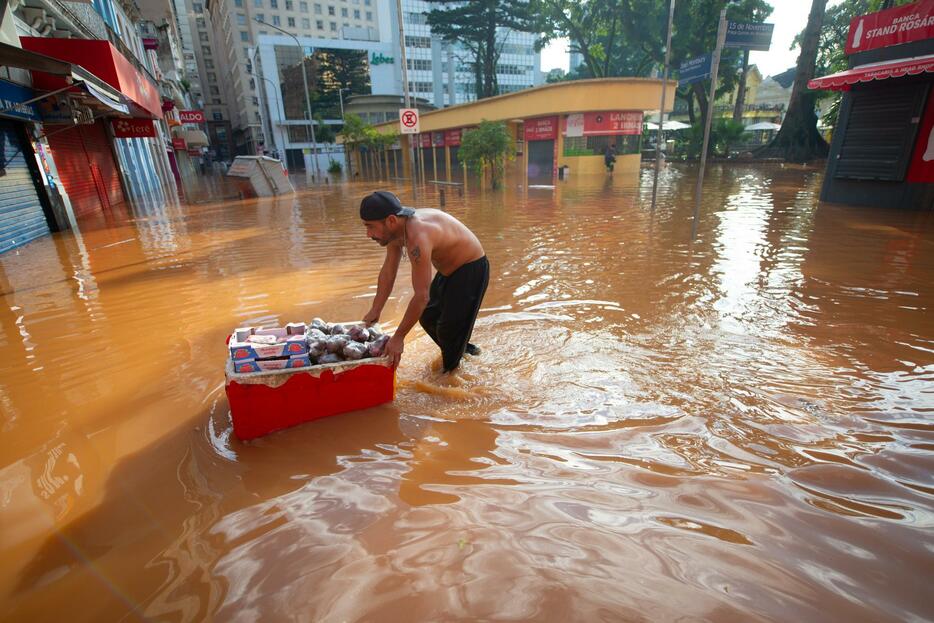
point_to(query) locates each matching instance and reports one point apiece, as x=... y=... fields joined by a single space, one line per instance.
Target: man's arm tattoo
x=416 y=253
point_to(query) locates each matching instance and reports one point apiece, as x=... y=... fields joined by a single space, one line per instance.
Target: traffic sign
x=408 y=121
x=756 y=37
x=694 y=70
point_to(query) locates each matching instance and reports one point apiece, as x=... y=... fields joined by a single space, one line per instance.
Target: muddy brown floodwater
x=741 y=429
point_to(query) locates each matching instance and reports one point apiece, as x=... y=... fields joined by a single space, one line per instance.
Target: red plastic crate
x=264 y=402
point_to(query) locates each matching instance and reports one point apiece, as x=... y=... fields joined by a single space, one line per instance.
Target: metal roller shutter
x=21 y=215
x=86 y=167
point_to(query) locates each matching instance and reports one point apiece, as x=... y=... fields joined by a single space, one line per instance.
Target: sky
x=789 y=17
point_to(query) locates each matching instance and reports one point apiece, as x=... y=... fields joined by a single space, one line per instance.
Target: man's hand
x=372 y=317
x=394 y=348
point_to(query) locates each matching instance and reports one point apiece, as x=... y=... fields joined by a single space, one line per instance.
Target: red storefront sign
x=150 y=43
x=103 y=60
x=191 y=116
x=179 y=144
x=425 y=140
x=167 y=105
x=437 y=139
x=612 y=123
x=904 y=24
x=133 y=128
x=452 y=138
x=921 y=168
x=541 y=129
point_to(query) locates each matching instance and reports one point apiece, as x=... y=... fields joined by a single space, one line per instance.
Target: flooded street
x=735 y=429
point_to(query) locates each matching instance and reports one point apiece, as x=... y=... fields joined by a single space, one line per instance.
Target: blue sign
x=756 y=37
x=12 y=97
x=694 y=70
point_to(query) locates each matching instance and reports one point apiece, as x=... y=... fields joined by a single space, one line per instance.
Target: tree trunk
x=741 y=90
x=798 y=140
x=691 y=117
x=489 y=55
x=700 y=94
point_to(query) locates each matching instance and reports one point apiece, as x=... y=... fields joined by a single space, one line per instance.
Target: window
x=276 y=21
x=256 y=115
x=258 y=4
x=596 y=145
x=333 y=26
x=356 y=13
x=319 y=24
x=291 y=22
x=274 y=4
x=369 y=16
x=303 y=6
x=241 y=19
x=306 y=23
x=261 y=17
x=244 y=36
x=330 y=10
x=344 y=12
x=256 y=101
x=214 y=90
x=197 y=7
x=368 y=2
x=208 y=63
x=421 y=87
x=317 y=9
x=206 y=50
x=217 y=116
x=212 y=77
x=416 y=18
x=216 y=100
x=417 y=42
x=201 y=23
x=203 y=37
x=238 y=4
x=289 y=5
x=418 y=63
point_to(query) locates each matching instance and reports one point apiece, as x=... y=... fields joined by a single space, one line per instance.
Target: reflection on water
x=737 y=428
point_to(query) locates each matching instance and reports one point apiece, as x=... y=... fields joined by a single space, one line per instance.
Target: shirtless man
x=447 y=305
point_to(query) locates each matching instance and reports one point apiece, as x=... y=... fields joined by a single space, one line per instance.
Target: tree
x=488 y=145
x=627 y=37
x=798 y=139
x=478 y=25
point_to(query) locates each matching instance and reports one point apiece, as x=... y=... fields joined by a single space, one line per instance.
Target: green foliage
x=480 y=26
x=323 y=133
x=724 y=132
x=488 y=145
x=335 y=167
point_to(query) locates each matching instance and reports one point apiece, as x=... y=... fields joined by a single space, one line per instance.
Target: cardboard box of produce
x=260 y=343
x=245 y=366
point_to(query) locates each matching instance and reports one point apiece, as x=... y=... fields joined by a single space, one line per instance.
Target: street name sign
x=694 y=70
x=757 y=37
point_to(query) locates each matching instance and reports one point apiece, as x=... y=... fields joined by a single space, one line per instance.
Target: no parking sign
x=408 y=121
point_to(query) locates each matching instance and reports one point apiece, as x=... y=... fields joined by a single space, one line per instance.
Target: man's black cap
x=378 y=205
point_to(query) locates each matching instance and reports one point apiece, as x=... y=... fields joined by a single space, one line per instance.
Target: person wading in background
x=445 y=306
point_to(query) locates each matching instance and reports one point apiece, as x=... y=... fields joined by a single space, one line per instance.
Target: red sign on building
x=150 y=43
x=921 y=169
x=903 y=24
x=191 y=116
x=425 y=141
x=612 y=123
x=133 y=128
x=179 y=144
x=541 y=129
x=452 y=138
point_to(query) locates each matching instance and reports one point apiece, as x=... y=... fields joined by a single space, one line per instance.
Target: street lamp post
x=340 y=95
x=314 y=141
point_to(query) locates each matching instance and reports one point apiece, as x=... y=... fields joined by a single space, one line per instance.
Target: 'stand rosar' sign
x=903 y=24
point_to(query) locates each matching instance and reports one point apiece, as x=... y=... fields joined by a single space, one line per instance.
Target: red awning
x=842 y=81
x=103 y=60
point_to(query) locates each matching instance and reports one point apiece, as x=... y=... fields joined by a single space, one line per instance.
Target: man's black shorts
x=453 y=304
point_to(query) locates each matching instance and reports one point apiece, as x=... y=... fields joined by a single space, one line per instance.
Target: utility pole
x=405 y=90
x=661 y=108
x=711 y=104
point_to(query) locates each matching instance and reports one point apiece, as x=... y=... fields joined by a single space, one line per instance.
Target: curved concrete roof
x=551 y=99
